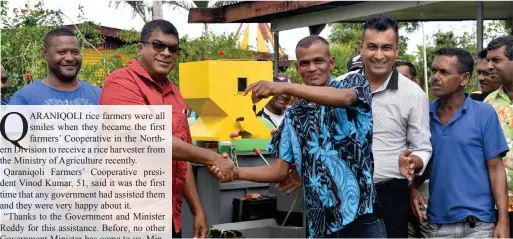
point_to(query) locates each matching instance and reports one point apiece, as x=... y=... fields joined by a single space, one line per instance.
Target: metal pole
x=276 y=55
x=425 y=61
x=479 y=22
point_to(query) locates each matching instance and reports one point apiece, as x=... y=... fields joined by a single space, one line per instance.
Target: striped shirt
x=400 y=110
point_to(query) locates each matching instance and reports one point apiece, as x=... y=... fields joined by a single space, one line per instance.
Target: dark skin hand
x=497 y=176
x=416 y=197
x=272 y=173
x=327 y=96
x=183 y=151
x=409 y=164
x=292 y=182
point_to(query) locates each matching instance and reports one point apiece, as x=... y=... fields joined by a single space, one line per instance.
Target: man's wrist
x=288 y=89
x=216 y=160
x=240 y=173
x=419 y=164
x=198 y=213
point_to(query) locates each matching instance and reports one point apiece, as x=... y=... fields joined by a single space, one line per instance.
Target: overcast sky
x=100 y=12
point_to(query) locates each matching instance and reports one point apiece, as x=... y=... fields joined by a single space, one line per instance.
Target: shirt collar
x=463 y=109
x=392 y=81
x=500 y=94
x=139 y=70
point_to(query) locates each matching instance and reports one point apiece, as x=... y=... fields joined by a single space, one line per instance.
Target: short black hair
x=411 y=67
x=465 y=59
x=500 y=42
x=381 y=22
x=482 y=54
x=161 y=25
x=309 y=40
x=57 y=33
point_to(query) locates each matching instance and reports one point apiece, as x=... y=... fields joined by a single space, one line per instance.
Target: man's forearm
x=497 y=176
x=327 y=96
x=183 y=151
x=273 y=173
x=191 y=193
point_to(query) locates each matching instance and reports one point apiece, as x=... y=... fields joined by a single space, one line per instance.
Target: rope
x=290 y=210
x=293 y=203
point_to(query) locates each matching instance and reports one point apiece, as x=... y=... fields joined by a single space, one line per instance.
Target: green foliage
x=23 y=38
x=346 y=33
x=466 y=41
x=351 y=33
x=341 y=53
x=210 y=47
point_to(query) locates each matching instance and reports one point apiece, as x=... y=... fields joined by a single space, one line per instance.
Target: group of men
x=364 y=143
x=359 y=145
x=142 y=82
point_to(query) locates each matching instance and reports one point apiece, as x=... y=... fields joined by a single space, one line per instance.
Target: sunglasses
x=160 y=47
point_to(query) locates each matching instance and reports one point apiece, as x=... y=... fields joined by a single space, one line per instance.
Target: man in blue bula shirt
x=62 y=86
x=327 y=134
x=467 y=178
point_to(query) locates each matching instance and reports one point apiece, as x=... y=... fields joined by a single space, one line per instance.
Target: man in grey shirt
x=400 y=111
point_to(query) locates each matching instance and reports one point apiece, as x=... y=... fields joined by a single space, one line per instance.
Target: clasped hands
x=223 y=169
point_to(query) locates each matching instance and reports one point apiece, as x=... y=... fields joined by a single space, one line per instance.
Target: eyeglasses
x=160 y=47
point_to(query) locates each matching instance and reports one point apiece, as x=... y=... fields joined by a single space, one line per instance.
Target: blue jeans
x=365 y=226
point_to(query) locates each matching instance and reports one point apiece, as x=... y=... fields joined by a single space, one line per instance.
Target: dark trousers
x=392 y=206
x=365 y=226
x=176 y=234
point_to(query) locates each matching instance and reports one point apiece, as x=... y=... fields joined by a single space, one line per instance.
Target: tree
x=142 y=9
x=466 y=41
x=351 y=33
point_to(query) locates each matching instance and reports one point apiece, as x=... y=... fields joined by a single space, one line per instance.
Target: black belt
x=470 y=219
x=396 y=182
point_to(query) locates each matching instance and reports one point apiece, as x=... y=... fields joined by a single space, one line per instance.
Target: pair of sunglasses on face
x=160 y=47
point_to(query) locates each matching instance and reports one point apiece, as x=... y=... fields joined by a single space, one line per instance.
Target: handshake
x=224 y=169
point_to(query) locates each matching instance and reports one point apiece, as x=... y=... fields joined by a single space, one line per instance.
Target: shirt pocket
x=180 y=122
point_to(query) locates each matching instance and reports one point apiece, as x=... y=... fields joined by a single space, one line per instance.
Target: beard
x=63 y=75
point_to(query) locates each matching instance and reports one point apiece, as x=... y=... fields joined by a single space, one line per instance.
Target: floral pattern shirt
x=504 y=108
x=332 y=150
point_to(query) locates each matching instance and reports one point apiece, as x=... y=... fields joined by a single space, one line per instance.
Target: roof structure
x=258 y=11
x=105 y=31
x=285 y=15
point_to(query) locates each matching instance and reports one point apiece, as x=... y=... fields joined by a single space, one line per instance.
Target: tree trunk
x=157 y=10
x=205 y=34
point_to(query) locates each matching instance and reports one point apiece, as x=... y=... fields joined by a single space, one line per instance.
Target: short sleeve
x=119 y=89
x=281 y=142
x=18 y=99
x=494 y=141
x=359 y=84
